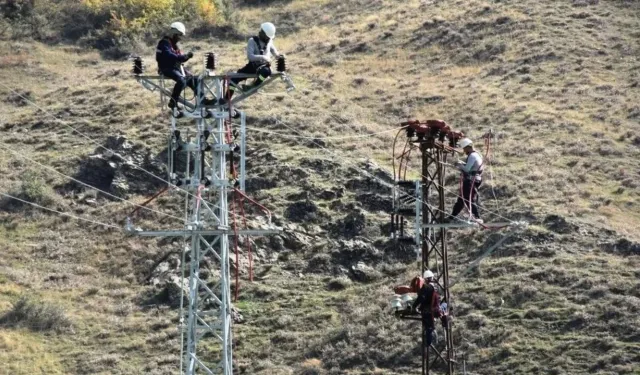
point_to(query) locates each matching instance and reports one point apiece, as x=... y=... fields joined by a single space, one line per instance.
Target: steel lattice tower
x=206 y=313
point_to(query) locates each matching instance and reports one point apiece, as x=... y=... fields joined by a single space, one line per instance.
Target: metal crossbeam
x=184 y=233
x=469 y=224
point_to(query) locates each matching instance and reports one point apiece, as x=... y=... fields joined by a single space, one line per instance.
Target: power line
x=364 y=172
x=93 y=141
x=60 y=212
x=324 y=138
x=386 y=184
x=85 y=184
x=313 y=140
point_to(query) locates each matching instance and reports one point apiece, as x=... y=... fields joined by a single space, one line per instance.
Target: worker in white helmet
x=260 y=51
x=428 y=303
x=471 y=170
x=170 y=60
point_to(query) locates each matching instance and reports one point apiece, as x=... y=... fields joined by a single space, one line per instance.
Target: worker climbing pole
x=202 y=166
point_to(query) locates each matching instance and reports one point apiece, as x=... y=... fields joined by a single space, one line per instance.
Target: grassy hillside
x=558 y=82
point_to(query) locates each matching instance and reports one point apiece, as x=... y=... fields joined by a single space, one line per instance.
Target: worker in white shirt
x=471 y=170
x=260 y=50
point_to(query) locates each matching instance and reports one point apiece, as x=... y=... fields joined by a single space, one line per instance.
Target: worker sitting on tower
x=428 y=303
x=260 y=50
x=170 y=60
x=471 y=170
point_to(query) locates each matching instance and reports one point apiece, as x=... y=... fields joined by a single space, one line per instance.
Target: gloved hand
x=189 y=55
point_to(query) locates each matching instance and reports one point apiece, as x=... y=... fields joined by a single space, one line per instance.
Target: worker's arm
x=418 y=301
x=274 y=50
x=253 y=52
x=164 y=47
x=471 y=161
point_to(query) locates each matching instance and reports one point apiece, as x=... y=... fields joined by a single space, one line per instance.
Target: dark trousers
x=464 y=201
x=428 y=328
x=262 y=70
x=182 y=81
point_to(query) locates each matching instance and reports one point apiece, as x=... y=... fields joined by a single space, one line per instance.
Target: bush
x=33 y=189
x=311 y=367
x=20 y=18
x=339 y=283
x=108 y=24
x=36 y=315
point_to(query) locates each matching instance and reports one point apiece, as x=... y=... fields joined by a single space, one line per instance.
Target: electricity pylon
x=207 y=150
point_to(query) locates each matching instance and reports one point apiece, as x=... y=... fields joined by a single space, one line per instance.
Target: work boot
x=209 y=102
x=252 y=86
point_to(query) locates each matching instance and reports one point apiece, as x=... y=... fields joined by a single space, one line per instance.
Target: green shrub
x=35 y=189
x=108 y=24
x=36 y=315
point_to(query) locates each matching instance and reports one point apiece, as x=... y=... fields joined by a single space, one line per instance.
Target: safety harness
x=474 y=173
x=471 y=177
x=259 y=64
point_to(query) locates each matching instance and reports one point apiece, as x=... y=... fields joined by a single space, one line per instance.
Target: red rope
x=229 y=136
x=263 y=208
x=406 y=164
x=235 y=245
x=244 y=221
x=199 y=196
x=156 y=195
x=393 y=153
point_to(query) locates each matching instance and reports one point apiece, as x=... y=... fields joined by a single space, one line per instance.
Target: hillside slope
x=558 y=81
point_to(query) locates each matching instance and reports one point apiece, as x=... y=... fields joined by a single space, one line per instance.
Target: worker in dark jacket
x=170 y=60
x=260 y=50
x=428 y=303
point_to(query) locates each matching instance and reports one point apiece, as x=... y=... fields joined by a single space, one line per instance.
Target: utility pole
x=424 y=201
x=206 y=141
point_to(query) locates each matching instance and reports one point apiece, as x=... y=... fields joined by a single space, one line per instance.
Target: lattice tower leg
x=209 y=308
x=434 y=245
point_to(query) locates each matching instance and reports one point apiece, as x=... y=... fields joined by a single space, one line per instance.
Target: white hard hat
x=465 y=142
x=428 y=274
x=179 y=27
x=269 y=29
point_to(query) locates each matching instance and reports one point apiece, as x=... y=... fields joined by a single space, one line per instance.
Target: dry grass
x=562 y=78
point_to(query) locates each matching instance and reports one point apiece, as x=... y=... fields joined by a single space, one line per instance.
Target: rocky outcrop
x=115 y=168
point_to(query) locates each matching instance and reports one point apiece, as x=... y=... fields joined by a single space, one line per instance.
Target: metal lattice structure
x=434 y=240
x=201 y=164
x=424 y=201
